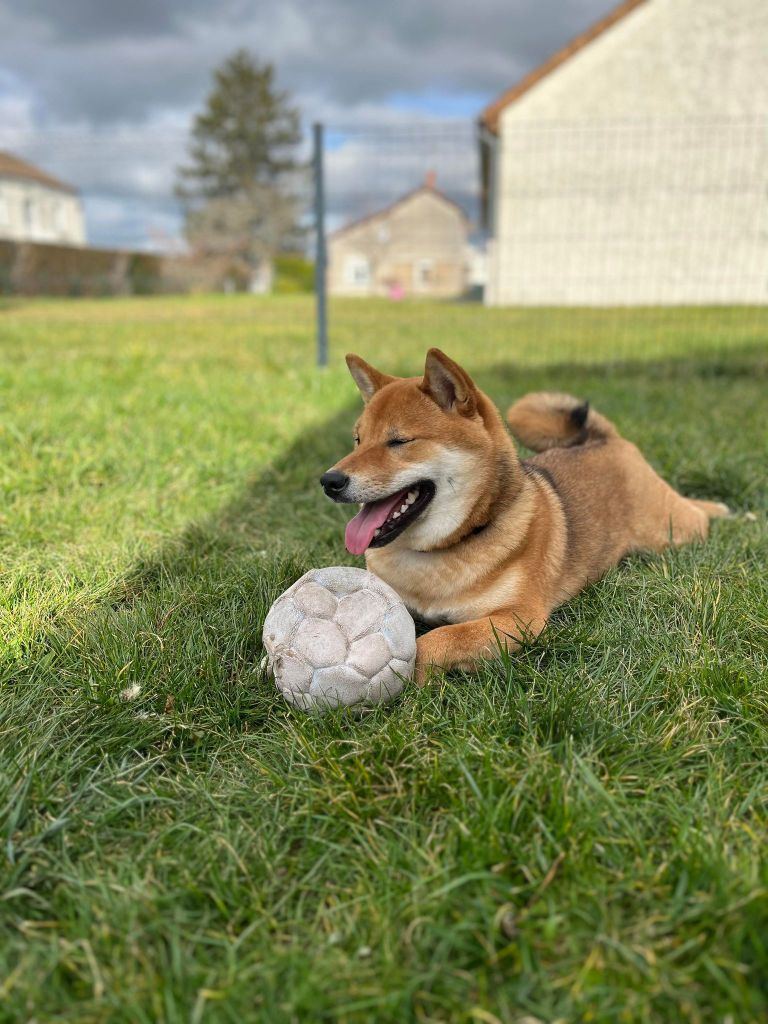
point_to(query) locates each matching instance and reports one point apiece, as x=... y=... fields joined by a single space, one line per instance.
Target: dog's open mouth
x=379 y=522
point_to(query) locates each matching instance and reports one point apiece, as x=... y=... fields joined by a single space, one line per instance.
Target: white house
x=36 y=207
x=632 y=166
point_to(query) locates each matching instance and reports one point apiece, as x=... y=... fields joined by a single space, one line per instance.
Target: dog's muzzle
x=334 y=483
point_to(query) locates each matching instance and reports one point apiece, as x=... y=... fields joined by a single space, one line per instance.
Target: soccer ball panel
x=339 y=684
x=313 y=599
x=400 y=632
x=339 y=579
x=360 y=612
x=369 y=654
x=291 y=674
x=384 y=686
x=403 y=668
x=320 y=643
x=300 y=700
x=281 y=622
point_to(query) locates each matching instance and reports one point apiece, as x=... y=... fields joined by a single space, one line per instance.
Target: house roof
x=13 y=167
x=489 y=118
x=386 y=210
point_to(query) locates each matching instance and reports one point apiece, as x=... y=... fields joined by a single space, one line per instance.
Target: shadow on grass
x=185 y=626
x=283 y=509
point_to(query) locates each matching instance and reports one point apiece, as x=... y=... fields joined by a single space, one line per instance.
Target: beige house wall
x=418 y=245
x=637 y=172
x=33 y=212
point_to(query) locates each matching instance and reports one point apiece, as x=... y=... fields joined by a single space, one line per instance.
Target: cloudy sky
x=102 y=92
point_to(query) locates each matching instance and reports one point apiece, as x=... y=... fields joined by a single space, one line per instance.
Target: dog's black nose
x=333 y=482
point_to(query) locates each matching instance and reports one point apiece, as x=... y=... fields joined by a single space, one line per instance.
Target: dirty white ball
x=339 y=636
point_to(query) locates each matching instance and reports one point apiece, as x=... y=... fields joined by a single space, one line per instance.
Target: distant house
x=631 y=167
x=417 y=246
x=36 y=207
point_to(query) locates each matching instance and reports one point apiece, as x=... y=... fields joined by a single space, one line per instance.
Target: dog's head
x=424 y=450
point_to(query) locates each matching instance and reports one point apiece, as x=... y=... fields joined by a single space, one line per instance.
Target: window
x=357 y=271
x=5 y=213
x=29 y=213
x=423 y=275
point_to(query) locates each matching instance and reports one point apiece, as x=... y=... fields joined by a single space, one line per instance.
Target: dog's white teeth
x=404 y=507
x=395 y=515
x=412 y=496
x=377 y=532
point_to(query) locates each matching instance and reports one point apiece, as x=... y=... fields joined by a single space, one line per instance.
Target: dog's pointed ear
x=448 y=385
x=368 y=379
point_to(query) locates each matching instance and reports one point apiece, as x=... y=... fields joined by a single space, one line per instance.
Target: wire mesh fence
x=601 y=236
x=631 y=213
x=120 y=187
x=602 y=239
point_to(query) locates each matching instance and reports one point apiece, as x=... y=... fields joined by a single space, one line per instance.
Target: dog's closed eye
x=395 y=442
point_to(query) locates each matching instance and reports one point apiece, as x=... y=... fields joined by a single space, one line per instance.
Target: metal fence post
x=489 y=145
x=320 y=252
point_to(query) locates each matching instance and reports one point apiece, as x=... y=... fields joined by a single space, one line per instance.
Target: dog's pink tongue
x=360 y=530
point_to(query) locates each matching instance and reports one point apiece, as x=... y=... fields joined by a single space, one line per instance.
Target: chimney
x=430 y=179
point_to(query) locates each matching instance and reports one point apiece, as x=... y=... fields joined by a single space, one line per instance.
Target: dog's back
x=613 y=500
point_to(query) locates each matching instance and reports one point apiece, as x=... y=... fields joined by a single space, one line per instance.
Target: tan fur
x=504 y=541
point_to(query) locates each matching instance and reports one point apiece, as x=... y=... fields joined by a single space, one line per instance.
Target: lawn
x=576 y=834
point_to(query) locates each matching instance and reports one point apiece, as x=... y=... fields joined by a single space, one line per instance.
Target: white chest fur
x=440 y=587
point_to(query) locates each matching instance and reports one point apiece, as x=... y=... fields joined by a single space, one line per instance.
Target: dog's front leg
x=463 y=645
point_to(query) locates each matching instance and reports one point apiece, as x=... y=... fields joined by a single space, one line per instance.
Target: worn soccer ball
x=339 y=636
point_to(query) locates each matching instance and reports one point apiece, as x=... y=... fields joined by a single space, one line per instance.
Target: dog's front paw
x=425 y=666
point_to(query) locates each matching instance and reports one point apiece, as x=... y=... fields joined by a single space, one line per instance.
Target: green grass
x=575 y=834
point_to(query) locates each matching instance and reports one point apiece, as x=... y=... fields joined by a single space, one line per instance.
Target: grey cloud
x=102 y=19
x=102 y=93
x=108 y=62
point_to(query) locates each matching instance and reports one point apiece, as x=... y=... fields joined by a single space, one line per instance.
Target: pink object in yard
x=396 y=292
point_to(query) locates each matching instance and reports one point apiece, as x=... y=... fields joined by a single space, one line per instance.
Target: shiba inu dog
x=477 y=541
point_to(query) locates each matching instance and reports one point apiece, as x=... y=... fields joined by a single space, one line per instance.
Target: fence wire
x=602 y=236
x=632 y=213
x=599 y=238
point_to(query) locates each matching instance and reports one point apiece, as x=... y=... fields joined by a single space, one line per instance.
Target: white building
x=36 y=207
x=632 y=166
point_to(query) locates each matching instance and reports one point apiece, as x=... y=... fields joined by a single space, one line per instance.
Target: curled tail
x=549 y=419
